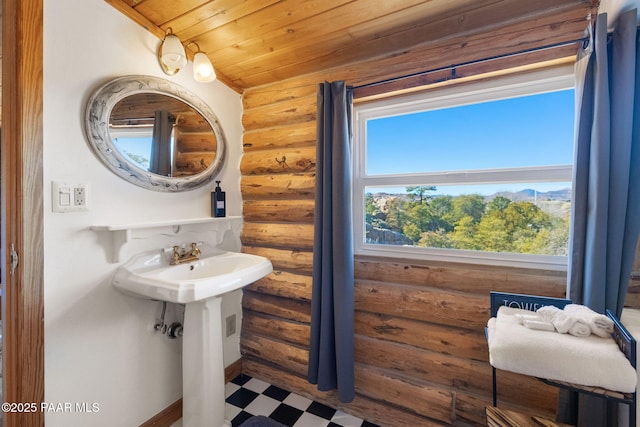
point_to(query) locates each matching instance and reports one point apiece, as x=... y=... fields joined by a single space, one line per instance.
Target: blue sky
x=135 y=146
x=530 y=131
x=535 y=130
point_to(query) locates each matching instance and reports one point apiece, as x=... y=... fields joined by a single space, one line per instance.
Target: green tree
x=553 y=240
x=469 y=205
x=463 y=236
x=419 y=193
x=436 y=239
x=411 y=231
x=492 y=235
x=442 y=213
x=396 y=214
x=499 y=203
x=370 y=206
x=421 y=216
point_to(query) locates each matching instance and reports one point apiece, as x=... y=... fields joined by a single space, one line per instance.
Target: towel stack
x=577 y=320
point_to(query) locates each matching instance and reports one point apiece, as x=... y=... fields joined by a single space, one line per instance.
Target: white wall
x=99 y=344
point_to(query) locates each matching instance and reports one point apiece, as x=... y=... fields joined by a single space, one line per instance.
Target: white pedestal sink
x=202 y=365
x=199 y=285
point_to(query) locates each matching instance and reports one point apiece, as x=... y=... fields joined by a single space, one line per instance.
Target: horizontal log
x=470 y=409
x=275 y=328
x=287 y=357
x=288 y=136
x=192 y=122
x=298 y=110
x=187 y=142
x=266 y=96
x=296 y=211
x=450 y=371
x=196 y=157
x=280 y=186
x=284 y=259
x=464 y=278
x=282 y=160
x=284 y=308
x=447 y=340
x=429 y=305
x=511 y=386
x=192 y=162
x=290 y=236
x=418 y=397
x=361 y=406
x=284 y=284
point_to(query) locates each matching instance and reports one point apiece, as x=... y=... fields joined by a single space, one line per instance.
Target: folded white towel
x=522 y=317
x=564 y=322
x=599 y=324
x=591 y=360
x=539 y=325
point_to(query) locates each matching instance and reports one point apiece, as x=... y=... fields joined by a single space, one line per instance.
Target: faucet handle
x=195 y=250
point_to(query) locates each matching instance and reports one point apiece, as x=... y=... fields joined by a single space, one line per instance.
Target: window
x=477 y=173
x=135 y=142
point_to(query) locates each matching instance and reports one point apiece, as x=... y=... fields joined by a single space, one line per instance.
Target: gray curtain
x=331 y=359
x=161 y=161
x=606 y=196
x=606 y=199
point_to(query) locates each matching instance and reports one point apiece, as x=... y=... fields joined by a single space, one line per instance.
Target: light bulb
x=202 y=68
x=173 y=54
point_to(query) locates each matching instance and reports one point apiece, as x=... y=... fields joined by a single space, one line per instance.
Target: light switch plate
x=69 y=196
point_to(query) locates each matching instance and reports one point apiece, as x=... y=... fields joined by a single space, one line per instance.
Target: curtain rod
x=476 y=61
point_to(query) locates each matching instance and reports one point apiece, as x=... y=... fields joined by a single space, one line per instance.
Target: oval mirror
x=155 y=133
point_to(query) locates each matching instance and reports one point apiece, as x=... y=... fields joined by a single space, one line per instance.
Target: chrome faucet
x=184 y=255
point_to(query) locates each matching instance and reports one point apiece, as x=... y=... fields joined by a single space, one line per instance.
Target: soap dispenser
x=218 y=202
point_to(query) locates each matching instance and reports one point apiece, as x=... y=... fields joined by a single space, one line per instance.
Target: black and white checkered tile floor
x=246 y=396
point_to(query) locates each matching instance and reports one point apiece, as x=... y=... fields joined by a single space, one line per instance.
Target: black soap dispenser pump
x=218 y=202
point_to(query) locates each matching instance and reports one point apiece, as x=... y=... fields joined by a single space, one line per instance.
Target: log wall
x=195 y=144
x=421 y=354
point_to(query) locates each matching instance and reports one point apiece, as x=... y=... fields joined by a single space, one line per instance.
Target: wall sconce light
x=202 y=68
x=172 y=57
x=171 y=54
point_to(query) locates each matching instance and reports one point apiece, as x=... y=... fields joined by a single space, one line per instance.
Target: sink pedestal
x=203 y=399
x=199 y=284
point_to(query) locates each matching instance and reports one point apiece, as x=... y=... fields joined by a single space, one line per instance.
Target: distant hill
x=529 y=195
x=556 y=202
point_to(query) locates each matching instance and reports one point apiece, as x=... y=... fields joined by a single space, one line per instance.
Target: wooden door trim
x=22 y=208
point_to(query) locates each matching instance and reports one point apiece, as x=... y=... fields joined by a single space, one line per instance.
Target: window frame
x=549 y=80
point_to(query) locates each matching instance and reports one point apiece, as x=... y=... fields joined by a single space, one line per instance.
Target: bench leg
x=494 y=393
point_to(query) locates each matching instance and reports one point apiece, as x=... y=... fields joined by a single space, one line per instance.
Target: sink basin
x=199 y=285
x=149 y=275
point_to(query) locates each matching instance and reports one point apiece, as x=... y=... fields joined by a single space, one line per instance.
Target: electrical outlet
x=230 y=325
x=79 y=198
x=69 y=197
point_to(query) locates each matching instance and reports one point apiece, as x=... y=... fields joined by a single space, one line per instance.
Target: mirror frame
x=97 y=116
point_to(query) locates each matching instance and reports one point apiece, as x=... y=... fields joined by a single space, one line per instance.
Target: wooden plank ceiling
x=258 y=42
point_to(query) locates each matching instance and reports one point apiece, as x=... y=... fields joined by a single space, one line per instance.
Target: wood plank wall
x=421 y=356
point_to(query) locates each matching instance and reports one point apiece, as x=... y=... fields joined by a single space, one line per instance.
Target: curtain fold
x=606 y=195
x=605 y=217
x=331 y=352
